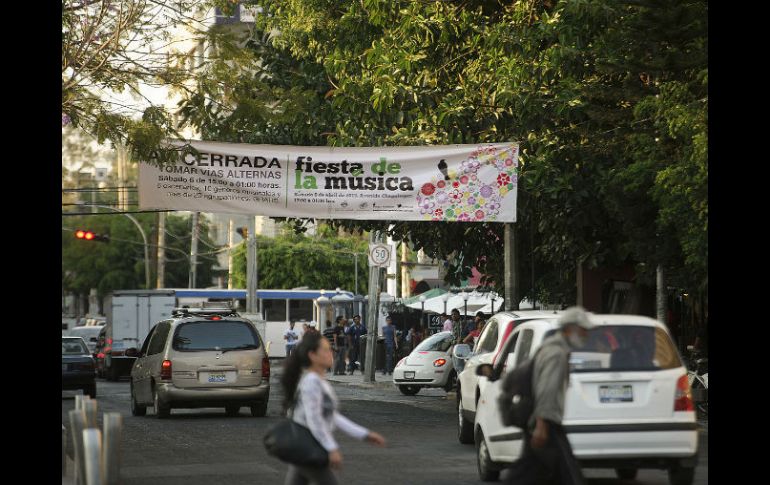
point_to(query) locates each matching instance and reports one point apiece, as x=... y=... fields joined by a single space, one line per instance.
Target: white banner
x=470 y=183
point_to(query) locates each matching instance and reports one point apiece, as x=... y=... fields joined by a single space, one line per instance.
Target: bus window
x=300 y=310
x=274 y=310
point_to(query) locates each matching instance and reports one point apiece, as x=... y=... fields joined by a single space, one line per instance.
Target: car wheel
x=259 y=410
x=464 y=427
x=487 y=472
x=232 y=410
x=451 y=381
x=90 y=390
x=136 y=408
x=626 y=473
x=409 y=390
x=162 y=410
x=681 y=475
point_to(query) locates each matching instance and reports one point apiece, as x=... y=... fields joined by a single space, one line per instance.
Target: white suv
x=486 y=349
x=628 y=404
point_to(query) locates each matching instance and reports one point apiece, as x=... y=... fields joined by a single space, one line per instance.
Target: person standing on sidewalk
x=354 y=340
x=290 y=336
x=314 y=405
x=547 y=456
x=391 y=344
x=341 y=344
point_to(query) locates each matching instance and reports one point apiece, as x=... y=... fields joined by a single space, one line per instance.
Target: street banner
x=468 y=183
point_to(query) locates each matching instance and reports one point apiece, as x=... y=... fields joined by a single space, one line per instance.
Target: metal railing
x=96 y=451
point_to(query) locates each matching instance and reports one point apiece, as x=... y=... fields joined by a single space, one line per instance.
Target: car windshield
x=625 y=348
x=439 y=342
x=215 y=335
x=73 y=347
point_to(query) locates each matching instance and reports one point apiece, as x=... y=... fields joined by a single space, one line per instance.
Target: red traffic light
x=90 y=236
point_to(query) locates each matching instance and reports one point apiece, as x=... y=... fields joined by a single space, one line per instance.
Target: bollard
x=89 y=408
x=92 y=448
x=79 y=399
x=63 y=451
x=113 y=429
x=77 y=425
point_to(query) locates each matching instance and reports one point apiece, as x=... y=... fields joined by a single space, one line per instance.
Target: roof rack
x=204 y=312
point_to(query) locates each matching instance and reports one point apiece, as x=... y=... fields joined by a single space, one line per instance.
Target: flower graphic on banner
x=470 y=193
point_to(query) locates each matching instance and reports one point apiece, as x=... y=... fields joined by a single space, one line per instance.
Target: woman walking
x=314 y=405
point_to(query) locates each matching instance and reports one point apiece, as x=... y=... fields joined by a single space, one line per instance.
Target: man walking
x=354 y=339
x=391 y=344
x=457 y=333
x=447 y=326
x=547 y=455
x=290 y=336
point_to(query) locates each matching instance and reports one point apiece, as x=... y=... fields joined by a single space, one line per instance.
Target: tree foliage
x=608 y=100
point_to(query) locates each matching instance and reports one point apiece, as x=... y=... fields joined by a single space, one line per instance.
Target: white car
x=429 y=365
x=628 y=404
x=492 y=337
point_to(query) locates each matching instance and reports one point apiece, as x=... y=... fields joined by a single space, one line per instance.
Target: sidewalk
x=357 y=380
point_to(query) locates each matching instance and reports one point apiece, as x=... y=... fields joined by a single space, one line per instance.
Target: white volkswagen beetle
x=429 y=365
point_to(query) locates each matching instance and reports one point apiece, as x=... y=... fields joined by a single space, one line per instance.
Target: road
x=204 y=446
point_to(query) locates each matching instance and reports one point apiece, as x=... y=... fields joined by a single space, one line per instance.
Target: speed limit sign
x=379 y=255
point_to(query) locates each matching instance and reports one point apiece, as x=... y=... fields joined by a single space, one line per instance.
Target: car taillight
x=401 y=362
x=683 y=396
x=265 y=368
x=439 y=362
x=165 y=370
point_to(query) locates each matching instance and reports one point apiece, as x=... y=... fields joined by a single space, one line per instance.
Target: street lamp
x=465 y=299
x=493 y=297
x=445 y=298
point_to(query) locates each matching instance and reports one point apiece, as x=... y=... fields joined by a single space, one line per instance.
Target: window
x=625 y=347
x=73 y=347
x=274 y=310
x=505 y=353
x=525 y=346
x=215 y=335
x=147 y=339
x=435 y=343
x=488 y=339
x=158 y=340
x=300 y=310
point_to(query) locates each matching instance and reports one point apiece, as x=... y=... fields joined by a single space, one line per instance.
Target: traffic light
x=90 y=236
x=243 y=232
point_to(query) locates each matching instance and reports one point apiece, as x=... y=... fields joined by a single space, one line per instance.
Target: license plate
x=409 y=375
x=217 y=377
x=618 y=393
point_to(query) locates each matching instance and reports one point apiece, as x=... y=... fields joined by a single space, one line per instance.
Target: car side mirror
x=484 y=370
x=132 y=352
x=462 y=351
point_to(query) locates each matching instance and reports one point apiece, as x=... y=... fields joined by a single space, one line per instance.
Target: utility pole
x=660 y=281
x=161 y=278
x=355 y=261
x=511 y=270
x=193 y=252
x=251 y=273
x=230 y=228
x=371 y=313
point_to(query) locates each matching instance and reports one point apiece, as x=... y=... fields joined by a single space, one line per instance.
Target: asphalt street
x=204 y=446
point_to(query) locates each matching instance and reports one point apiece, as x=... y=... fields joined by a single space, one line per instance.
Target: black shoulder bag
x=293 y=443
x=517 y=400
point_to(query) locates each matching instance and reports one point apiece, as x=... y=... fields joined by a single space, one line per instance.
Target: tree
x=607 y=99
x=178 y=243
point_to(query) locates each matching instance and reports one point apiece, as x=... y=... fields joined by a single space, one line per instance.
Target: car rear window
x=625 y=348
x=435 y=343
x=215 y=335
x=73 y=347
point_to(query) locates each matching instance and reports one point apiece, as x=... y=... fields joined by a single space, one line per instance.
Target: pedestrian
x=328 y=333
x=314 y=404
x=290 y=336
x=341 y=344
x=547 y=456
x=415 y=335
x=457 y=329
x=354 y=341
x=447 y=327
x=391 y=344
x=473 y=335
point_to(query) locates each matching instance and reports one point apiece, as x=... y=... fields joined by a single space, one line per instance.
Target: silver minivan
x=201 y=358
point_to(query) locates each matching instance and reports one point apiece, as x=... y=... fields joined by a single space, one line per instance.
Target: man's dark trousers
x=553 y=464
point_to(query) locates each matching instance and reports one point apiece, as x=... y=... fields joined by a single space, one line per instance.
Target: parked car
x=429 y=365
x=201 y=358
x=628 y=404
x=77 y=366
x=488 y=345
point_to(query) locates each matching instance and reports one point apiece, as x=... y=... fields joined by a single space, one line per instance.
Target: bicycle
x=698 y=377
